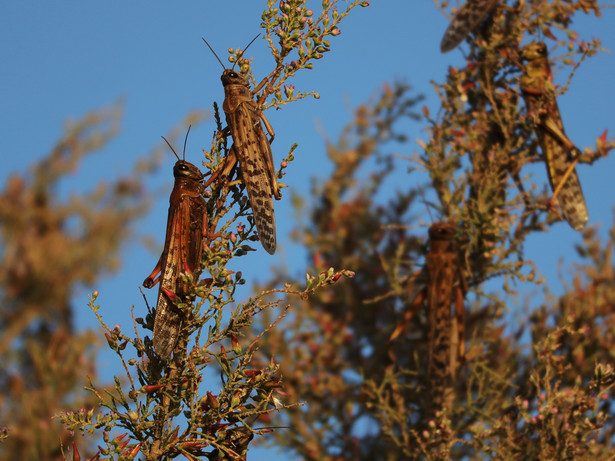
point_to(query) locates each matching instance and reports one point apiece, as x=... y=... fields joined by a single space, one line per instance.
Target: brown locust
x=444 y=281
x=183 y=244
x=252 y=148
x=466 y=19
x=559 y=152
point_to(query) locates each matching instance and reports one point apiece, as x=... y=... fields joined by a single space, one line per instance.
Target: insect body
x=444 y=281
x=558 y=150
x=252 y=148
x=186 y=225
x=466 y=19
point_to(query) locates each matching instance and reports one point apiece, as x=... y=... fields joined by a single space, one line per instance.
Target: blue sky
x=61 y=60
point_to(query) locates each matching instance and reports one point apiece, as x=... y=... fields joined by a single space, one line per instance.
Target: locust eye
x=233 y=74
x=183 y=167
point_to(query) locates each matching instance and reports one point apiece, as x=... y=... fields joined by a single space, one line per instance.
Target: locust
x=186 y=225
x=444 y=282
x=252 y=148
x=560 y=153
x=465 y=21
x=236 y=442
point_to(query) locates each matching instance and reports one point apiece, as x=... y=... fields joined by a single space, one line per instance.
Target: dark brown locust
x=186 y=226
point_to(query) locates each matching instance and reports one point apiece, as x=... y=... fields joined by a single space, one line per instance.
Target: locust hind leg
x=268 y=156
x=153 y=278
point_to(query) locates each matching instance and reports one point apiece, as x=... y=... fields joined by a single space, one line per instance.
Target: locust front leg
x=153 y=278
x=460 y=315
x=416 y=303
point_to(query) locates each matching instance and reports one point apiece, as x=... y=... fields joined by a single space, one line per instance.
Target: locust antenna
x=212 y=50
x=248 y=45
x=185 y=141
x=169 y=144
x=246 y=48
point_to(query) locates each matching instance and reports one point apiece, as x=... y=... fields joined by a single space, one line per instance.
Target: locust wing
x=466 y=19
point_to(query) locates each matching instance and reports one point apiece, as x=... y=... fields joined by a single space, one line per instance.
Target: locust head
x=537 y=59
x=441 y=231
x=230 y=77
x=533 y=51
x=183 y=169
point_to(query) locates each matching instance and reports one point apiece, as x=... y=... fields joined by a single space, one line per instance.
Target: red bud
x=76 y=455
x=172 y=296
x=152 y=388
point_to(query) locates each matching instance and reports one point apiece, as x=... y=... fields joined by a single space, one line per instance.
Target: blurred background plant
x=52 y=247
x=533 y=385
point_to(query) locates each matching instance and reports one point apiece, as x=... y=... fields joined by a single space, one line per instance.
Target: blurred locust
x=236 y=442
x=444 y=281
x=466 y=19
x=252 y=148
x=186 y=226
x=559 y=152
